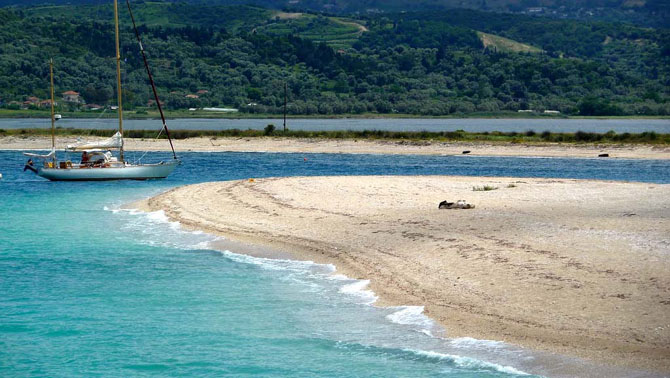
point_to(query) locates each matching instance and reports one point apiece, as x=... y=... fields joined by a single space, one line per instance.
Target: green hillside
x=157 y=13
x=336 y=31
x=421 y=63
x=650 y=13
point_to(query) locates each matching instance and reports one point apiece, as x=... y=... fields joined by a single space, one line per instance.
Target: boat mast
x=151 y=79
x=53 y=116
x=118 y=76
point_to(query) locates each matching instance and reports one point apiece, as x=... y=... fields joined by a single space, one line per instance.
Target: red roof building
x=153 y=102
x=71 y=96
x=46 y=104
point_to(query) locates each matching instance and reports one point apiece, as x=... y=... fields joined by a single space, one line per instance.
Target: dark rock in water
x=604 y=155
x=466 y=152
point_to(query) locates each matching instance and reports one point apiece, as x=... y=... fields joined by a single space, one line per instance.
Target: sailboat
x=97 y=161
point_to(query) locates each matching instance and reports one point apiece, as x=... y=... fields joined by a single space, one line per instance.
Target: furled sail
x=116 y=141
x=48 y=156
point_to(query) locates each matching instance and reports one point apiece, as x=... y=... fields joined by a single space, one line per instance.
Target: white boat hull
x=128 y=172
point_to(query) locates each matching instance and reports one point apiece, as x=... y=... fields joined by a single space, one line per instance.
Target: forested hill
x=422 y=63
x=654 y=13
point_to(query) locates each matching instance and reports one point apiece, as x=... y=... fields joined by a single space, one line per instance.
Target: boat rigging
x=97 y=162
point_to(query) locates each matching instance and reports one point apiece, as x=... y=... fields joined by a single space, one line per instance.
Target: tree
x=98 y=94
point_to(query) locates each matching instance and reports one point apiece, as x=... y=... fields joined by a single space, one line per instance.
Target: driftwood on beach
x=460 y=204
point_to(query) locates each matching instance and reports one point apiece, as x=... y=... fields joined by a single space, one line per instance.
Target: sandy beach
x=295 y=145
x=568 y=266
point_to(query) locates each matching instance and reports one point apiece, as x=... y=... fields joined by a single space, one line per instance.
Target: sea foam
x=469 y=342
x=359 y=289
x=467 y=362
x=411 y=315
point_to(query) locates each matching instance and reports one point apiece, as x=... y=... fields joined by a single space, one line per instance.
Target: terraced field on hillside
x=337 y=32
x=503 y=44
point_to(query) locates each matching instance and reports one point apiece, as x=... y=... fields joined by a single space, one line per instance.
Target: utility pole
x=284 y=106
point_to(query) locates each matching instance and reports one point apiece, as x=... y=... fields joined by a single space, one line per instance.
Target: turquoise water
x=89 y=289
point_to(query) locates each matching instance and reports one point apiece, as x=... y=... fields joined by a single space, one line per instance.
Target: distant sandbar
x=363 y=146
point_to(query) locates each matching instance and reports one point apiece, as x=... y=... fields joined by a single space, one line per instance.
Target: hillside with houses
x=432 y=63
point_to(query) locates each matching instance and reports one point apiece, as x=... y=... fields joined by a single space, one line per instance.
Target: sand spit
x=570 y=266
x=301 y=145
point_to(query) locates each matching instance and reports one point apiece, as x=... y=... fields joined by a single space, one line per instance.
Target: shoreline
x=361 y=146
x=31 y=114
x=487 y=263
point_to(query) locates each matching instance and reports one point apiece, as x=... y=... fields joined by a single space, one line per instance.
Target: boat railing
x=69 y=165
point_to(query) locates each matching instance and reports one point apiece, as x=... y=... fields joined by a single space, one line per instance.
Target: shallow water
x=89 y=289
x=558 y=125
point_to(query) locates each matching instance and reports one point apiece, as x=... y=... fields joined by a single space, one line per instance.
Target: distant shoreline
x=110 y=114
x=362 y=146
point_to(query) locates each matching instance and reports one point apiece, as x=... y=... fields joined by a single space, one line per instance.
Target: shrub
x=484 y=188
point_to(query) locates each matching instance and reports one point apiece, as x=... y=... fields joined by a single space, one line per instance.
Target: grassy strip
x=444 y=136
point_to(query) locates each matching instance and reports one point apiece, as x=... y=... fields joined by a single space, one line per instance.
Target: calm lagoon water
x=90 y=289
x=412 y=124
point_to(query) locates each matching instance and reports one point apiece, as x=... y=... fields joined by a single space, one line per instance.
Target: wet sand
x=569 y=266
x=296 y=145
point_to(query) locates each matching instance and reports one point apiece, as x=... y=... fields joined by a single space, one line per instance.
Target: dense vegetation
x=653 y=13
x=410 y=63
x=400 y=136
